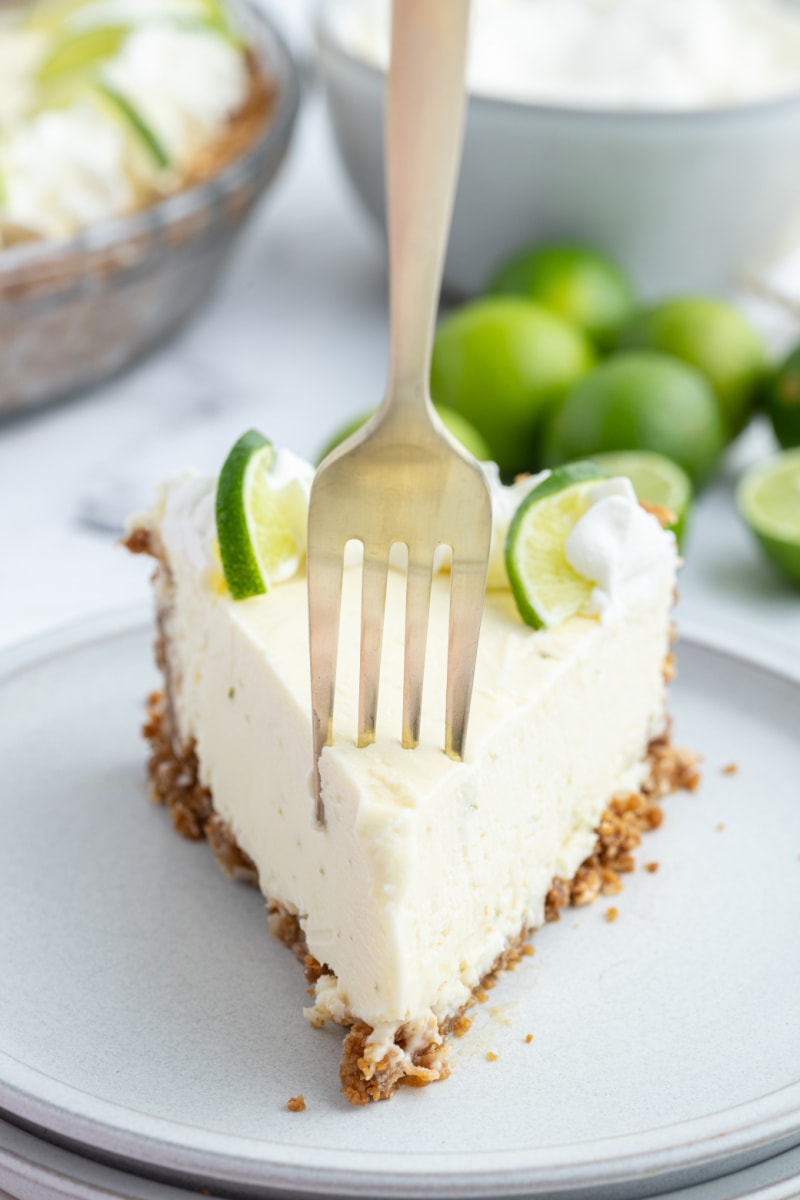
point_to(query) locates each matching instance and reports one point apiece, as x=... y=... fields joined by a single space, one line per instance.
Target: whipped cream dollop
x=185 y=82
x=620 y=548
x=647 y=54
x=62 y=170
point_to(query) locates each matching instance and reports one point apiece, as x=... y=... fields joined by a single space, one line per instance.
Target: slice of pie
x=429 y=875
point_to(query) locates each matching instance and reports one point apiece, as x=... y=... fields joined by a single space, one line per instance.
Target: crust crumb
x=528 y=1038
x=491 y=1056
x=652 y=867
x=673 y=769
x=461 y=1026
x=665 y=516
x=730 y=769
x=296 y=1103
x=140 y=541
x=612 y=914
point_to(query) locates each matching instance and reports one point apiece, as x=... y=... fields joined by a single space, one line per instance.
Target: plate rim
x=114 y=1130
x=49 y=1164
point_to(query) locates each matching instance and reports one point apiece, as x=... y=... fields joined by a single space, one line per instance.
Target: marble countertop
x=294 y=342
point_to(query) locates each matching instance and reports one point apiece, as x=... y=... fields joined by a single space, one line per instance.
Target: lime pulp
x=768 y=498
x=253 y=529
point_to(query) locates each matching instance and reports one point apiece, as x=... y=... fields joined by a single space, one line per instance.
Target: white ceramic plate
x=35 y=1170
x=146 y=1016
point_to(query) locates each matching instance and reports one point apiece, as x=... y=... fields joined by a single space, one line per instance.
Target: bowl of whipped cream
x=136 y=137
x=666 y=134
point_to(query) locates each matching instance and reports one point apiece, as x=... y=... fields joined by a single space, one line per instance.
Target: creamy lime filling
x=426 y=869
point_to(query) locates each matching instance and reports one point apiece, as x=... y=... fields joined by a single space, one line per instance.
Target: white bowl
x=683 y=200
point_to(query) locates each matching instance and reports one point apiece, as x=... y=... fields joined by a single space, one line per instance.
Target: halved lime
x=656 y=480
x=78 y=53
x=768 y=498
x=546 y=589
x=254 y=529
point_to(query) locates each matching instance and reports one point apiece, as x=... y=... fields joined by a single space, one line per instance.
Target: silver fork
x=402 y=478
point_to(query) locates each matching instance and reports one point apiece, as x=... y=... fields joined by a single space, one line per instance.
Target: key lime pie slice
x=429 y=875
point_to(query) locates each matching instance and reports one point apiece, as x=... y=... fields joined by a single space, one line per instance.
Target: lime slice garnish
x=769 y=501
x=254 y=528
x=134 y=123
x=78 y=53
x=656 y=480
x=546 y=589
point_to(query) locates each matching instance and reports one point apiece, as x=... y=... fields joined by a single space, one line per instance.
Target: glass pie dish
x=74 y=312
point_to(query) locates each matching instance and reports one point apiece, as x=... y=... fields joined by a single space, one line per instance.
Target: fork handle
x=425 y=120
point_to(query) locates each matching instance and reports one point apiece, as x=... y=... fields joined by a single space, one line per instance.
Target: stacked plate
x=151 y=1031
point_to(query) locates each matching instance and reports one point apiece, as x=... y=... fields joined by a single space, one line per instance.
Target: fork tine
x=373 y=603
x=324 y=605
x=467 y=586
x=418 y=598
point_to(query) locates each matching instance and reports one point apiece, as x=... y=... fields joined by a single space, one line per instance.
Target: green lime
x=715 y=339
x=639 y=400
x=457 y=425
x=783 y=402
x=77 y=53
x=575 y=282
x=546 y=589
x=768 y=498
x=502 y=362
x=656 y=480
x=254 y=528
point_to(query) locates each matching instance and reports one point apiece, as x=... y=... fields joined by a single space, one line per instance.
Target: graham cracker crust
x=175 y=783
